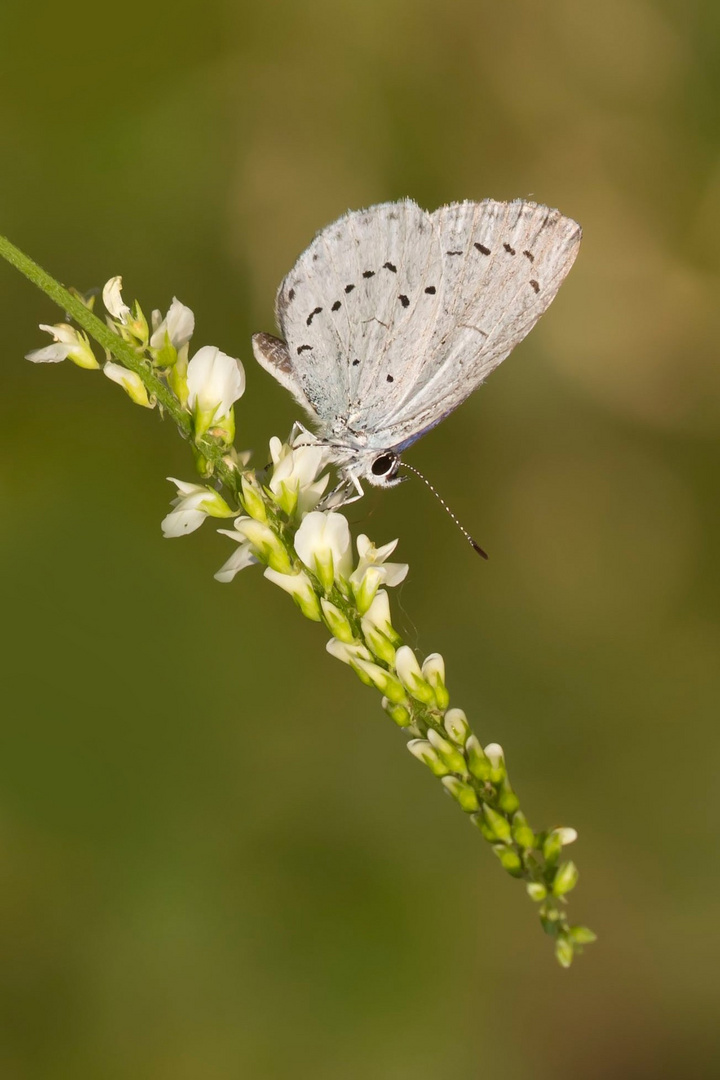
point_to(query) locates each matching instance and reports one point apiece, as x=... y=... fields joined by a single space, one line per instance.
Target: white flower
x=130 y=382
x=323 y=544
x=70 y=344
x=113 y=301
x=372 y=571
x=193 y=504
x=348 y=652
x=240 y=558
x=177 y=326
x=296 y=467
x=299 y=587
x=215 y=381
x=565 y=835
x=266 y=545
x=371 y=556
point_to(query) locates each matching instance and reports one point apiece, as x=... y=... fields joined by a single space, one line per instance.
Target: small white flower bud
x=456 y=725
x=131 y=383
x=463 y=793
x=267 y=545
x=300 y=588
x=433 y=671
x=410 y=675
x=423 y=751
x=449 y=753
x=347 y=653
x=496 y=756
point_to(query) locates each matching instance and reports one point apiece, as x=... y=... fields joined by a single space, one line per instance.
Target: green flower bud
x=566 y=878
x=397 y=712
x=509 y=859
x=521 y=831
x=564 y=951
x=536 y=891
x=497 y=824
x=252 y=499
x=379 y=644
x=336 y=622
x=478 y=764
x=582 y=935
x=488 y=833
x=383 y=680
x=507 y=799
x=462 y=793
x=552 y=846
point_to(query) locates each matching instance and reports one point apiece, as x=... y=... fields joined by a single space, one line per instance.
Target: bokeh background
x=217 y=860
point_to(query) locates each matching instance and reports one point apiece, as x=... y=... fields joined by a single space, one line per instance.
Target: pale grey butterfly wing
x=357 y=311
x=393 y=317
x=503 y=264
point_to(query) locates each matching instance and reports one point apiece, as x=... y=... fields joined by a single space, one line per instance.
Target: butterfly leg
x=349 y=490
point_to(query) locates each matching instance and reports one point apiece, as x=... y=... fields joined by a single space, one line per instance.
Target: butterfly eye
x=384 y=464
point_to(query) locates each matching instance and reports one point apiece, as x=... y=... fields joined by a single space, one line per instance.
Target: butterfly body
x=393 y=316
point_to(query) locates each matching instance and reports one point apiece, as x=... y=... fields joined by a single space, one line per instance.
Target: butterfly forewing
x=358 y=311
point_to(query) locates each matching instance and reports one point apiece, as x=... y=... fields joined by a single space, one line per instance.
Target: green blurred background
x=216 y=858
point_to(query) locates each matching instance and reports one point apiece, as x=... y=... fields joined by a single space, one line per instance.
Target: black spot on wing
x=336 y=306
x=482 y=249
x=391 y=267
x=291 y=294
x=303 y=348
x=453 y=252
x=529 y=255
x=535 y=285
x=368 y=273
x=510 y=250
x=355 y=363
x=431 y=290
x=390 y=378
x=349 y=288
x=404 y=300
x=313 y=313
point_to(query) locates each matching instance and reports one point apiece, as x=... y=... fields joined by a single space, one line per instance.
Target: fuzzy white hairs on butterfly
x=393 y=316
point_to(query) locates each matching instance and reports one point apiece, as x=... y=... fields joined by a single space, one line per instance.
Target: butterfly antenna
x=473 y=543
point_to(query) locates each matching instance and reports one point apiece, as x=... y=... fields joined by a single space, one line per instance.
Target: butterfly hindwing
x=503 y=264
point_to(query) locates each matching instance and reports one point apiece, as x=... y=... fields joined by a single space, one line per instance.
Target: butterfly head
x=383 y=468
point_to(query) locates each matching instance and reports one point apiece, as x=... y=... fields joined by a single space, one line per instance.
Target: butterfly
x=393 y=316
